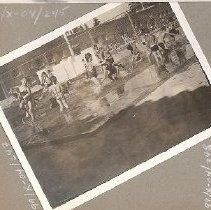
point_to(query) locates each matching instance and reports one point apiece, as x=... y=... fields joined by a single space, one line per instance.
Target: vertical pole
x=71 y=61
x=68 y=44
x=143 y=8
x=46 y=60
x=91 y=37
x=131 y=22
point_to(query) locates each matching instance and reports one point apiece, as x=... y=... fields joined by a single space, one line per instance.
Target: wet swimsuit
x=112 y=70
x=91 y=70
x=154 y=48
x=153 y=45
x=174 y=31
x=46 y=82
x=161 y=44
x=23 y=102
x=129 y=47
x=110 y=60
x=23 y=93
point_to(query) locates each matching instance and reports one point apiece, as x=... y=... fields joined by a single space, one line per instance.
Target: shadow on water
x=67 y=168
x=87 y=111
x=94 y=116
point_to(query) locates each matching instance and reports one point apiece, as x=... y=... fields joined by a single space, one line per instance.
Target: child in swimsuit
x=155 y=49
x=25 y=99
x=56 y=91
x=91 y=70
x=110 y=67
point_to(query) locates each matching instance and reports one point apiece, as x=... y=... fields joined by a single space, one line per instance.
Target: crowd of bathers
x=157 y=45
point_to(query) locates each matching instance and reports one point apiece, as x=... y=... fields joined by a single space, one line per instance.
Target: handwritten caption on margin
x=33 y=14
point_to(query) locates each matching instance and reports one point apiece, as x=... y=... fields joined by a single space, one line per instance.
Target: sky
x=111 y=14
x=17 y=30
x=21 y=24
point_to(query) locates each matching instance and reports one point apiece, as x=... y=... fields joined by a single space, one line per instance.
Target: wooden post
x=131 y=22
x=46 y=60
x=71 y=59
x=69 y=45
x=143 y=8
x=91 y=37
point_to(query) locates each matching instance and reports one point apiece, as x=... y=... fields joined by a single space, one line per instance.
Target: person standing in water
x=56 y=90
x=153 y=44
x=91 y=70
x=47 y=83
x=25 y=99
x=45 y=80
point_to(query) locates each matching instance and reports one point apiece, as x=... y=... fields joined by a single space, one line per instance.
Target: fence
x=111 y=31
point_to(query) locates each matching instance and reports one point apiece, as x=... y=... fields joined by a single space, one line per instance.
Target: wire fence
x=108 y=32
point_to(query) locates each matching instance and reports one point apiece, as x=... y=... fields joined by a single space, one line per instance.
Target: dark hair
x=87 y=56
x=171 y=19
x=95 y=46
x=44 y=73
x=53 y=79
x=163 y=28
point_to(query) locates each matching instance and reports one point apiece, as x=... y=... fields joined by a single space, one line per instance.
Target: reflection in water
x=120 y=90
x=114 y=96
x=105 y=102
x=68 y=117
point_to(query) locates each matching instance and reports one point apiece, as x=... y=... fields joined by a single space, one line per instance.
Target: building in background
x=64 y=54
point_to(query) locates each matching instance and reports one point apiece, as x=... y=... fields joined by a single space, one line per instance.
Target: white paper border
x=134 y=171
x=55 y=34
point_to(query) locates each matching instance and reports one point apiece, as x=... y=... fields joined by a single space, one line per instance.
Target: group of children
x=161 y=43
x=157 y=44
x=107 y=63
x=27 y=101
x=54 y=88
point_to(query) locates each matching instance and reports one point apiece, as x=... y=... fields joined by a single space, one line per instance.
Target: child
x=91 y=70
x=152 y=41
x=130 y=48
x=109 y=60
x=46 y=83
x=111 y=68
x=56 y=90
x=144 y=47
x=26 y=99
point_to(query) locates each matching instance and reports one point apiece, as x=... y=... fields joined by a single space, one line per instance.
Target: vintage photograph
x=106 y=96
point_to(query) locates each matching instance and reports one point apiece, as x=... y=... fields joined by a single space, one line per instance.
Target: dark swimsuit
x=23 y=94
x=24 y=102
x=93 y=73
x=112 y=70
x=155 y=48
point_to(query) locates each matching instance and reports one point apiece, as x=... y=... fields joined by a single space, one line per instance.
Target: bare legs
x=95 y=81
x=62 y=104
x=158 y=57
x=30 y=110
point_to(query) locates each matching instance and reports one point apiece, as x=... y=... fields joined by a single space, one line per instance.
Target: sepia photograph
x=105 y=96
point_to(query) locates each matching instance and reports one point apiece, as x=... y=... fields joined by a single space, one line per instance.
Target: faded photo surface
x=104 y=97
